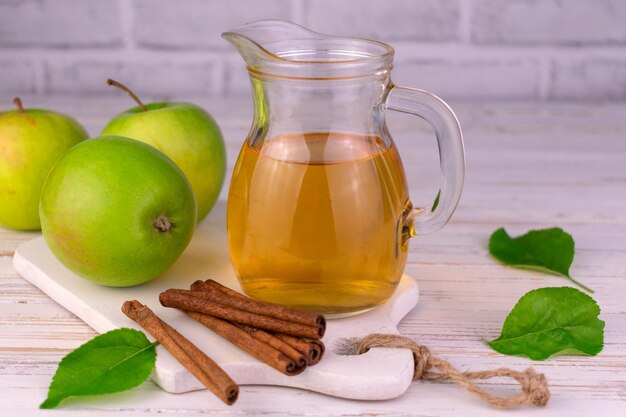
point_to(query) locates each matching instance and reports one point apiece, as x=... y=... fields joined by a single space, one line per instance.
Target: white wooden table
x=528 y=166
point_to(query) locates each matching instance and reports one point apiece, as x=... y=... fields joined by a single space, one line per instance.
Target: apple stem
x=162 y=224
x=127 y=90
x=18 y=102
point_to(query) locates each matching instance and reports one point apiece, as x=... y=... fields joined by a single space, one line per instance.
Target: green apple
x=117 y=211
x=31 y=141
x=184 y=132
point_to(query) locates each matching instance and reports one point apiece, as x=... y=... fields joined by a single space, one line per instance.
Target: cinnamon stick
x=245 y=341
x=199 y=301
x=221 y=294
x=197 y=362
x=210 y=283
x=313 y=350
x=278 y=344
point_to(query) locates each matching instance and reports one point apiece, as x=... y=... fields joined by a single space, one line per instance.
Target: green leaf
x=436 y=202
x=547 y=250
x=552 y=321
x=114 y=361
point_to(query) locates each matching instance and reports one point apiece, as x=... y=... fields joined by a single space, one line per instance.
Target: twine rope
x=534 y=387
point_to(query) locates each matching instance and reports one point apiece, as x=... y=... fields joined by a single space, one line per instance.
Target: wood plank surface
x=528 y=166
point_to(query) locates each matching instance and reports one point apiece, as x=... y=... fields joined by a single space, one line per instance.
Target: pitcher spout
x=277 y=47
x=266 y=40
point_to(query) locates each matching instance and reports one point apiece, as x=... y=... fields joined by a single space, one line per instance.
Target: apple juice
x=315 y=221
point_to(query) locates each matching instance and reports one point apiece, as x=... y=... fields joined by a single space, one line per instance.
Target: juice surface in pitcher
x=315 y=221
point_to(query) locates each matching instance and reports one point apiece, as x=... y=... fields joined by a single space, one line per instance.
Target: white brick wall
x=549 y=22
x=153 y=77
x=396 y=20
x=459 y=49
x=590 y=79
x=482 y=79
x=17 y=76
x=60 y=24
x=197 y=24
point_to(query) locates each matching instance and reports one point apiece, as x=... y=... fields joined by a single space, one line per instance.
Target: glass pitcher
x=319 y=215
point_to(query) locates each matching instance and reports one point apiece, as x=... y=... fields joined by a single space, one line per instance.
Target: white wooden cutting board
x=381 y=373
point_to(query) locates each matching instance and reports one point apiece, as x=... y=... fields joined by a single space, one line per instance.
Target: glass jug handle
x=451 y=153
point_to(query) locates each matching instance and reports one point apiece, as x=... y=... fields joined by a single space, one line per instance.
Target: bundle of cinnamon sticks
x=286 y=339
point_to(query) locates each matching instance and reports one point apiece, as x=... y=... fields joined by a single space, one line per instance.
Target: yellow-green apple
x=117 y=211
x=184 y=132
x=31 y=141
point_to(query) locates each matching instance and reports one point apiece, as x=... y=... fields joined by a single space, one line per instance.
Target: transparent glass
x=319 y=215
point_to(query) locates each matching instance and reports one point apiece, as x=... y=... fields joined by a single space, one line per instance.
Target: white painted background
x=459 y=49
